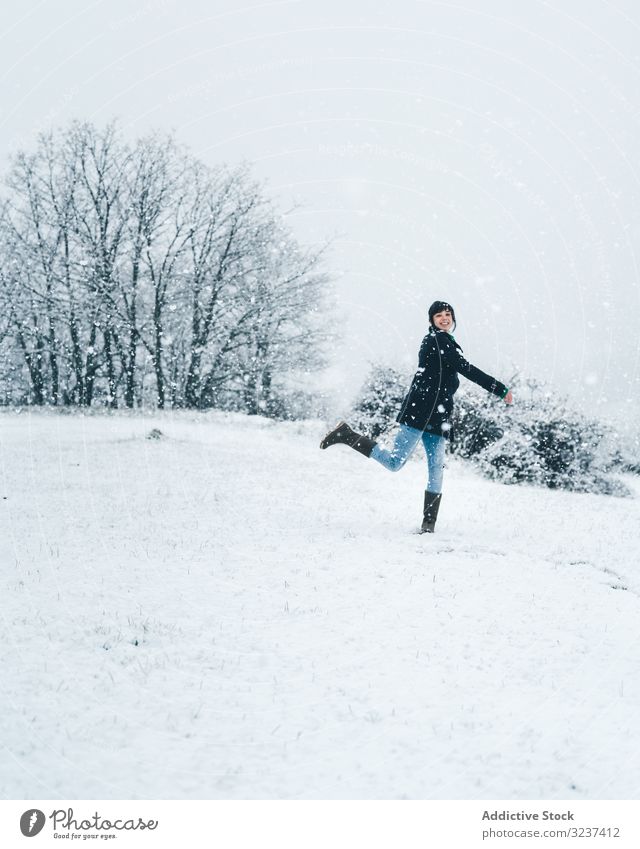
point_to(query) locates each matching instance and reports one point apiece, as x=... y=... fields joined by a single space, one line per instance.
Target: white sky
x=481 y=152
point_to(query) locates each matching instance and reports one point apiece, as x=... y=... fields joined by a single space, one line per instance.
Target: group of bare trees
x=132 y=273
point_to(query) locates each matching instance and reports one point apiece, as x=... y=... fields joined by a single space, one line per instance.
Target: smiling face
x=443 y=320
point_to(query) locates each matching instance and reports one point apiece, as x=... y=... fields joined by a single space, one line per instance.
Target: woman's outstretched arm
x=453 y=356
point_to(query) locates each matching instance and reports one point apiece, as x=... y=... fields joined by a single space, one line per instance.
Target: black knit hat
x=441 y=306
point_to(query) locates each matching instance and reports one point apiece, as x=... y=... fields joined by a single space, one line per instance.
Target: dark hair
x=441 y=306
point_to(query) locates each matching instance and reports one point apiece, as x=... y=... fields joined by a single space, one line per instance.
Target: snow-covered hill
x=228 y=612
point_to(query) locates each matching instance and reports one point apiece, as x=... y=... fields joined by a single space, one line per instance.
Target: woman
x=426 y=411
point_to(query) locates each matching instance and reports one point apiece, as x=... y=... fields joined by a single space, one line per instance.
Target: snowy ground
x=228 y=612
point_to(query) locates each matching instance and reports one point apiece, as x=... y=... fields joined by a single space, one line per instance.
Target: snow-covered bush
x=627 y=452
x=539 y=440
x=379 y=400
x=290 y=404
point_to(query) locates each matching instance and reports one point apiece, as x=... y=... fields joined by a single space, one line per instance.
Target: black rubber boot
x=430 y=512
x=342 y=433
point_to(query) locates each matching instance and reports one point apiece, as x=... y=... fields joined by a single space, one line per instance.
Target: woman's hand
x=508 y=398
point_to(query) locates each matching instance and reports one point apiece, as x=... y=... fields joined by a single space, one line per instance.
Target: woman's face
x=443 y=320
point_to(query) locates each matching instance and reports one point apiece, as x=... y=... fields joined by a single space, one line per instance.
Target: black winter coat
x=429 y=402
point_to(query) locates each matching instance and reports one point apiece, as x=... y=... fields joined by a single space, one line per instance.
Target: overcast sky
x=480 y=152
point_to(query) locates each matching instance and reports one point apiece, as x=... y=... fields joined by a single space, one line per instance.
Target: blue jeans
x=405 y=441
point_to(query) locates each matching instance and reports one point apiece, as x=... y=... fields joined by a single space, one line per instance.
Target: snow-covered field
x=228 y=612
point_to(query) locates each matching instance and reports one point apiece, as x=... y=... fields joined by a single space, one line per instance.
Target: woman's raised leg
x=395 y=457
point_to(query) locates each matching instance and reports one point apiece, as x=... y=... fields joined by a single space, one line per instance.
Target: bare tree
x=287 y=333
x=159 y=221
x=126 y=261
x=101 y=216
